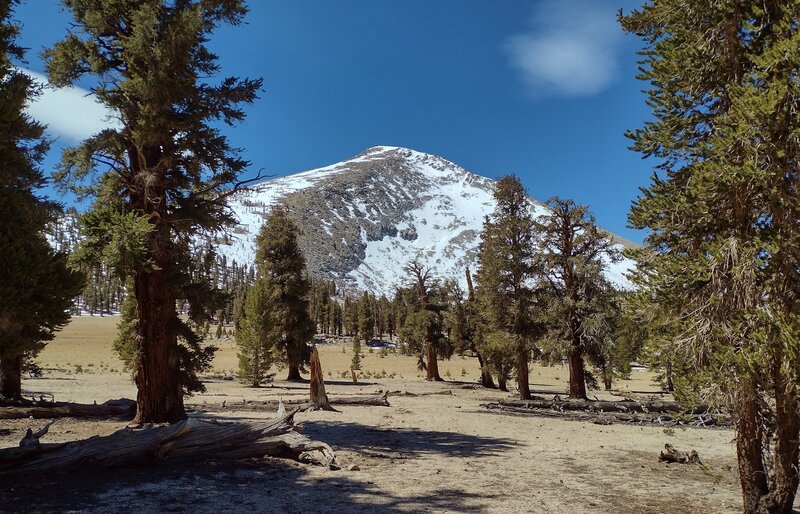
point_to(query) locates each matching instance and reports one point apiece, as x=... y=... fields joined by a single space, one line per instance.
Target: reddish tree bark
x=577 y=375
x=11 y=377
x=294 y=373
x=432 y=366
x=160 y=394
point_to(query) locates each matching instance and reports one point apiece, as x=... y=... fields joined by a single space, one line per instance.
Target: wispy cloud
x=69 y=112
x=570 y=48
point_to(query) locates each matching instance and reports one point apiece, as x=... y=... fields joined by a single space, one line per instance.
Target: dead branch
x=672 y=454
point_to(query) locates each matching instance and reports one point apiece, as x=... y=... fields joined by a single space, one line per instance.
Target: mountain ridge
x=364 y=218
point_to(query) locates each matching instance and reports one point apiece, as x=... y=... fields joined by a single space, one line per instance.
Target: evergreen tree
x=164 y=175
x=423 y=326
x=253 y=339
x=508 y=276
x=281 y=268
x=36 y=286
x=466 y=325
x=366 y=318
x=572 y=250
x=723 y=217
x=355 y=364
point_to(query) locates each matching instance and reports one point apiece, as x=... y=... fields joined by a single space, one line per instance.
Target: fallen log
x=610 y=417
x=672 y=454
x=604 y=406
x=122 y=408
x=447 y=392
x=193 y=439
x=379 y=400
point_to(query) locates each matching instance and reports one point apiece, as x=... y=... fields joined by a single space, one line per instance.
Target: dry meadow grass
x=432 y=453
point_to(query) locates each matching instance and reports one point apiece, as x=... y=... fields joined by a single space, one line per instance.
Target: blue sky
x=544 y=89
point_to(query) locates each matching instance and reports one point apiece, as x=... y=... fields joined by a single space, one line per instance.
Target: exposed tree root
x=17 y=409
x=192 y=439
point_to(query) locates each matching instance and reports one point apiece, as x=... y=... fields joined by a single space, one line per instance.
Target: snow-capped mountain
x=365 y=218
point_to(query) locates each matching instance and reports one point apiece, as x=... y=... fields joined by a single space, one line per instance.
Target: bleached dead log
x=193 y=439
x=448 y=392
x=630 y=414
x=604 y=406
x=379 y=400
x=122 y=408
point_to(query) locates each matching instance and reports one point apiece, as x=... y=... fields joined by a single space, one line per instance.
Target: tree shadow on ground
x=404 y=441
x=274 y=486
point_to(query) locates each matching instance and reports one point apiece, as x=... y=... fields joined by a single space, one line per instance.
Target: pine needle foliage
x=37 y=287
x=723 y=215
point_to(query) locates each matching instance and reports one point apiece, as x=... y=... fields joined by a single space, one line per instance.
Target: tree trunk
x=752 y=473
x=294 y=373
x=486 y=376
x=160 y=394
x=668 y=377
x=783 y=486
x=502 y=382
x=607 y=377
x=11 y=377
x=522 y=375
x=577 y=378
x=432 y=365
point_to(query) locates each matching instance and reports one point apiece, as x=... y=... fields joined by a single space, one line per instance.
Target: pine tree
x=355 y=364
x=161 y=177
x=573 y=252
x=256 y=327
x=466 y=325
x=36 y=285
x=281 y=267
x=724 y=218
x=366 y=318
x=508 y=276
x=423 y=324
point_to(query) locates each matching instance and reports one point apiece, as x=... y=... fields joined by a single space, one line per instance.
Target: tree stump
x=319 y=400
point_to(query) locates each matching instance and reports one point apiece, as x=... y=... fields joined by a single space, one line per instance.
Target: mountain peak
x=365 y=218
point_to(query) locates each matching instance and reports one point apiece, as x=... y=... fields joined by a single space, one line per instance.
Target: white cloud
x=570 y=49
x=69 y=112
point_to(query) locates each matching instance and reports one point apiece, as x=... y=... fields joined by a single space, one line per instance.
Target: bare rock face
x=364 y=218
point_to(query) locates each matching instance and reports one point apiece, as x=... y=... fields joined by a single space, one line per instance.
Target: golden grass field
x=87 y=342
x=424 y=453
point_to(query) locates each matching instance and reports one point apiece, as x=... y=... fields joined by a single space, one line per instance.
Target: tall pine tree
x=573 y=252
x=282 y=276
x=508 y=276
x=36 y=286
x=723 y=213
x=163 y=176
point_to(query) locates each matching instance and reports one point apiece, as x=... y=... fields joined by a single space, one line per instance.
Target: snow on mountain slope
x=365 y=218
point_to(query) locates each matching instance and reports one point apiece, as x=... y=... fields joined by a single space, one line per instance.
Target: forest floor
x=424 y=453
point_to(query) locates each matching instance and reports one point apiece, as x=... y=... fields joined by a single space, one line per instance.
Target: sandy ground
x=431 y=453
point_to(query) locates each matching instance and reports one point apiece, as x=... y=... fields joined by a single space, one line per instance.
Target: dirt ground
x=429 y=453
